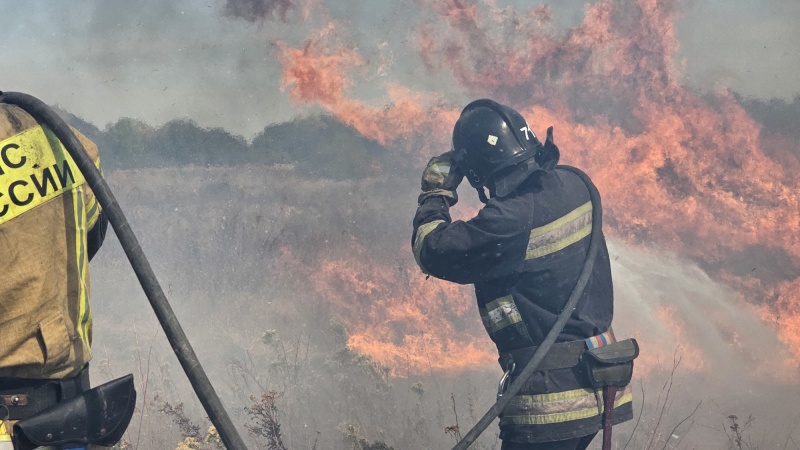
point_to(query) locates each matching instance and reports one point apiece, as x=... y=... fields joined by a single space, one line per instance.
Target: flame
x=675 y=168
x=785 y=314
x=397 y=316
x=320 y=72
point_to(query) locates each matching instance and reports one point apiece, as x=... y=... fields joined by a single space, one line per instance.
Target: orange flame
x=683 y=171
x=410 y=324
x=318 y=73
x=785 y=313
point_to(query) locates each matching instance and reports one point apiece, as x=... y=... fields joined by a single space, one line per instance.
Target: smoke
x=673 y=308
x=684 y=171
x=696 y=174
x=260 y=10
x=254 y=267
x=154 y=61
x=213 y=61
x=743 y=58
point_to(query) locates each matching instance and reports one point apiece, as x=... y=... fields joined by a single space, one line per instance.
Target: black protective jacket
x=524 y=253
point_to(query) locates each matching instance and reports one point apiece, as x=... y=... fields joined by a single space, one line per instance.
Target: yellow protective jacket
x=46 y=212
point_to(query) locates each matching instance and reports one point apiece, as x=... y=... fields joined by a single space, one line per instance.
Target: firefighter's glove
x=548 y=154
x=441 y=177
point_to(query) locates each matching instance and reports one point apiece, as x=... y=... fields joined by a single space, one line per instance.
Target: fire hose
x=550 y=339
x=166 y=317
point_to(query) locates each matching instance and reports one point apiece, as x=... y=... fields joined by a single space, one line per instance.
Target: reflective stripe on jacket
x=46 y=212
x=524 y=254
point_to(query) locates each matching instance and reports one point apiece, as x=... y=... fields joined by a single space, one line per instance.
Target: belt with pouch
x=560 y=356
x=21 y=398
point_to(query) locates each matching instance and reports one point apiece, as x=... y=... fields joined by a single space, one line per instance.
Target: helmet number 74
x=527 y=129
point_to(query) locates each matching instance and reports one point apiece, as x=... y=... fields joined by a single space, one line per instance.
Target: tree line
x=316 y=146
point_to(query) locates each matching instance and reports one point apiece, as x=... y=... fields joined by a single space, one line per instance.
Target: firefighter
x=523 y=252
x=51 y=226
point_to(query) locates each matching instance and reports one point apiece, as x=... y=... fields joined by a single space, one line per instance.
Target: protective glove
x=548 y=154
x=441 y=177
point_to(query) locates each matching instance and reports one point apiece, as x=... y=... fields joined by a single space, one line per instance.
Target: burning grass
x=272 y=305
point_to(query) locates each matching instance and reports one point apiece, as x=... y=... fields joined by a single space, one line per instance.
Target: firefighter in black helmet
x=524 y=252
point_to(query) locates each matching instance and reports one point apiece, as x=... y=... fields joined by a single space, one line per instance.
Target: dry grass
x=214 y=238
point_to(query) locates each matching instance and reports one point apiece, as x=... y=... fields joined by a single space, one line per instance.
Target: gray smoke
x=158 y=61
x=216 y=238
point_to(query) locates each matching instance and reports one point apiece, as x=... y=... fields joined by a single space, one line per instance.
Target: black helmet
x=489 y=137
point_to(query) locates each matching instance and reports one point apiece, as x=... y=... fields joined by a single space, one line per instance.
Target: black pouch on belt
x=611 y=365
x=610 y=368
x=22 y=398
x=98 y=416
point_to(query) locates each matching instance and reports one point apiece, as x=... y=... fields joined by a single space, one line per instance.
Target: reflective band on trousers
x=422 y=232
x=561 y=232
x=543 y=409
x=499 y=314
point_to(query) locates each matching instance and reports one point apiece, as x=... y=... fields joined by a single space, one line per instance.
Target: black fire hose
x=177 y=339
x=550 y=339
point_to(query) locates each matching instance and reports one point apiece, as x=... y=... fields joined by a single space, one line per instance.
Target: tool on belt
x=21 y=398
x=66 y=411
x=610 y=368
x=98 y=416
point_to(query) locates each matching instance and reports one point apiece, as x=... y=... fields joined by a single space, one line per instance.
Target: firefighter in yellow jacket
x=51 y=225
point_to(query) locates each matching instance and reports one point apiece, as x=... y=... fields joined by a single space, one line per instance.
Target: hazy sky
x=157 y=60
